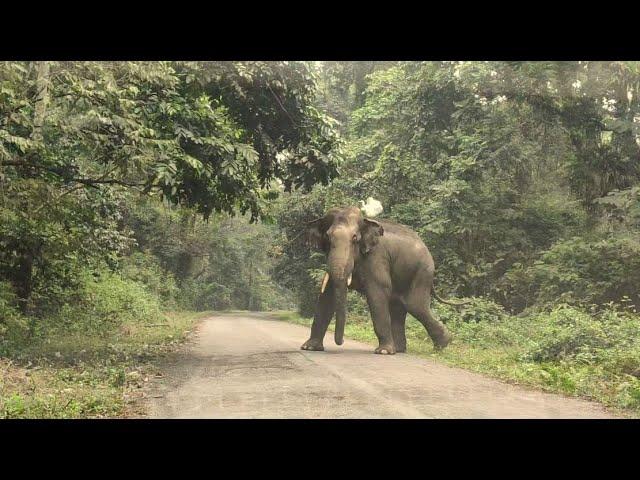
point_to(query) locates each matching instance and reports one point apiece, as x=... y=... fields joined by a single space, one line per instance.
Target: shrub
x=482 y=323
x=13 y=325
x=205 y=296
x=584 y=271
x=143 y=267
x=623 y=361
x=105 y=302
x=478 y=310
x=307 y=289
x=611 y=337
x=357 y=305
x=577 y=271
x=517 y=289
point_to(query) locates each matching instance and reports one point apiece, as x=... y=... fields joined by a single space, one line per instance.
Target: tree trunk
x=24 y=274
x=360 y=71
x=42 y=98
x=23 y=281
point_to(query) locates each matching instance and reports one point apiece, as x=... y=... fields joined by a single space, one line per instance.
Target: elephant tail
x=433 y=291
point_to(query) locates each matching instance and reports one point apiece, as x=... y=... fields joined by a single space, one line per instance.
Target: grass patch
x=558 y=351
x=101 y=375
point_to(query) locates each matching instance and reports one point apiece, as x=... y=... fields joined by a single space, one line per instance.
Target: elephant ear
x=371 y=231
x=315 y=234
x=316 y=230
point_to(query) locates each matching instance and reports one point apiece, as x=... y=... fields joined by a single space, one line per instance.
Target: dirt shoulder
x=81 y=376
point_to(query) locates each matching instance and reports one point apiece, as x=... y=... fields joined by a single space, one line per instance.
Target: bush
x=357 y=305
x=566 y=333
x=610 y=337
x=199 y=296
x=481 y=323
x=13 y=325
x=143 y=267
x=307 y=289
x=478 y=310
x=590 y=272
x=577 y=271
x=547 y=217
x=105 y=302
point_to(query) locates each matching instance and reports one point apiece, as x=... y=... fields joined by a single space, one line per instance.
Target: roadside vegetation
x=88 y=374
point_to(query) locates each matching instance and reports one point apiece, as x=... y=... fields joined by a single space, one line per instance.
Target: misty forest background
x=132 y=189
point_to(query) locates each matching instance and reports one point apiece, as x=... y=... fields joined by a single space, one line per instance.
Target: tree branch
x=61 y=173
x=282 y=106
x=107 y=181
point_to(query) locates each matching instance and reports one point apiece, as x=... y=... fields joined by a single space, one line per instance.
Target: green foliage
x=581 y=271
x=569 y=333
x=102 y=304
x=45 y=239
x=623 y=207
x=478 y=310
x=203 y=134
x=77 y=139
x=223 y=263
x=144 y=268
x=298 y=268
x=87 y=374
x=13 y=325
x=357 y=305
x=497 y=164
x=206 y=296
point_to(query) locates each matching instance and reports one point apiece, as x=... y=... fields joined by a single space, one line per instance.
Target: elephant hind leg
x=398 y=318
x=418 y=303
x=435 y=328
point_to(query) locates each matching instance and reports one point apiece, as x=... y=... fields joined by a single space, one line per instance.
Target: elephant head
x=346 y=237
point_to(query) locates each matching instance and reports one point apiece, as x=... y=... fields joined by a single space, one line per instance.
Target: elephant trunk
x=340 y=268
x=341 y=311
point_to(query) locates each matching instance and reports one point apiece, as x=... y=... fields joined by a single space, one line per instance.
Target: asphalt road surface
x=247 y=366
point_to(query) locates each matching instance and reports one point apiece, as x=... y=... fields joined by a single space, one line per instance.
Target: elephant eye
x=354 y=239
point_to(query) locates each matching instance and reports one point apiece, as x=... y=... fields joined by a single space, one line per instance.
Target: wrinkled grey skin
x=390 y=266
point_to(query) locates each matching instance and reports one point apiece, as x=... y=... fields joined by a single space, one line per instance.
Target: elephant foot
x=312 y=344
x=401 y=346
x=442 y=342
x=385 y=350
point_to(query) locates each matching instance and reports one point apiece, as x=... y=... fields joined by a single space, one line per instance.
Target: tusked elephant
x=385 y=261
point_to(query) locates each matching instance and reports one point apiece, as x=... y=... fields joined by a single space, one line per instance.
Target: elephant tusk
x=349 y=281
x=325 y=280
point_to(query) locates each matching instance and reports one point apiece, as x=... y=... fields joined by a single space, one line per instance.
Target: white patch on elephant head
x=371 y=207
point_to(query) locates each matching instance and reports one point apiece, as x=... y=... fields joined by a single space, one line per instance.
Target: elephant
x=386 y=262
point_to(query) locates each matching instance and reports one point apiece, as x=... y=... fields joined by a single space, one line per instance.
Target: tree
x=493 y=163
x=212 y=136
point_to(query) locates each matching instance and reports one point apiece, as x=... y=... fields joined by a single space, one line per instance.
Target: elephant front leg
x=325 y=309
x=378 y=300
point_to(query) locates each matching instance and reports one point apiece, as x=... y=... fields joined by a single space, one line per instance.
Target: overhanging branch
x=64 y=175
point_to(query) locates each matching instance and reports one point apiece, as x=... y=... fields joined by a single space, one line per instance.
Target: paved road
x=246 y=366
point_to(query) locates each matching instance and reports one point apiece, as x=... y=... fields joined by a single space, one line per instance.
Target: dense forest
x=132 y=189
